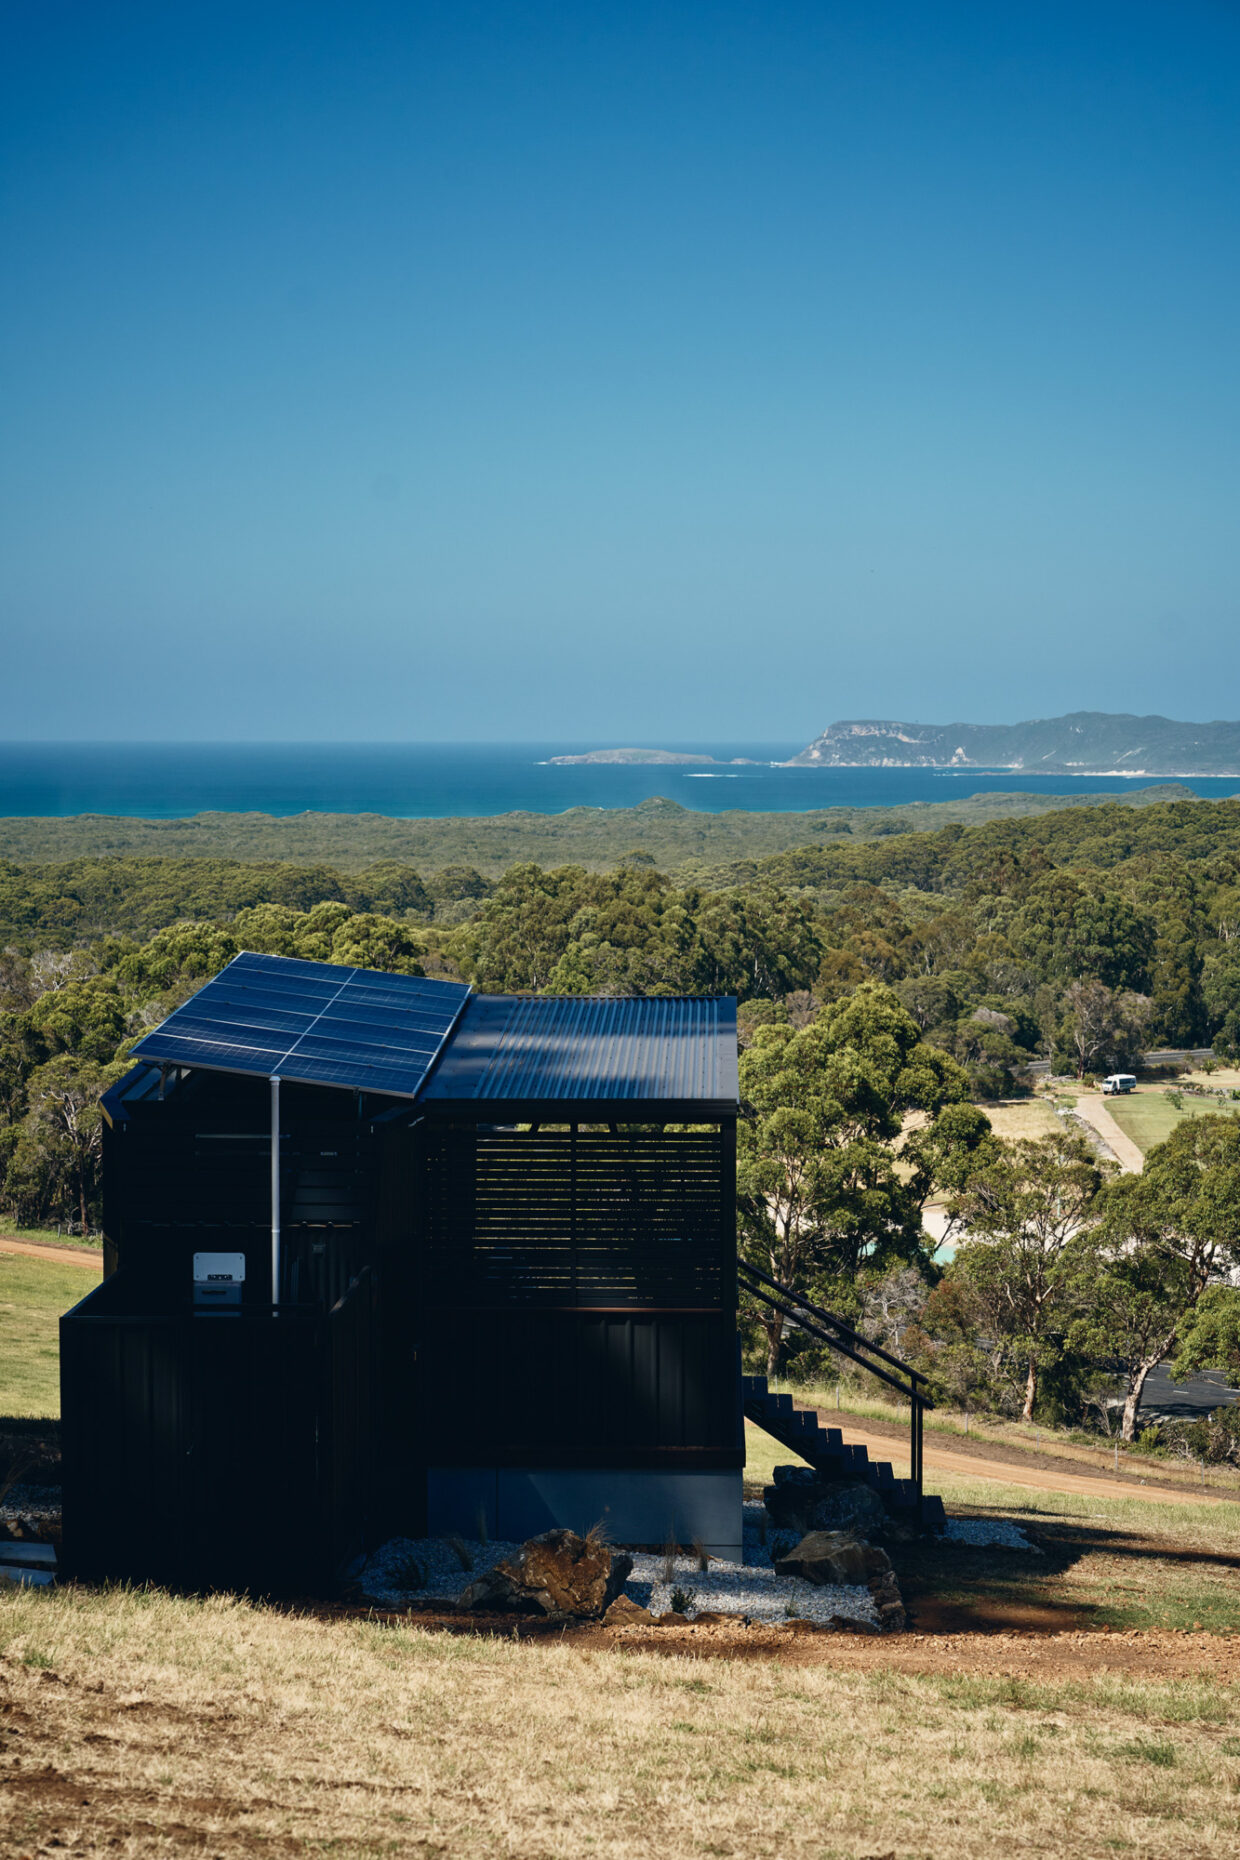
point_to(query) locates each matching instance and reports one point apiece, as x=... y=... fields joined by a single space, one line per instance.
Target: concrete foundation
x=633 y=1507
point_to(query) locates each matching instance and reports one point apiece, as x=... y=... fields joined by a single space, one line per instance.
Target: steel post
x=275 y=1193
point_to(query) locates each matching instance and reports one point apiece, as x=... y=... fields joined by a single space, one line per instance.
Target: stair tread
x=829 y=1453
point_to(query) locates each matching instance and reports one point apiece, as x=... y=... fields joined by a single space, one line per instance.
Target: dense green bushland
x=1143 y=902
x=910 y=972
x=680 y=839
x=1081 y=935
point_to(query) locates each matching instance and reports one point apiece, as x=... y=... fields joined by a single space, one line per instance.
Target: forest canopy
x=908 y=975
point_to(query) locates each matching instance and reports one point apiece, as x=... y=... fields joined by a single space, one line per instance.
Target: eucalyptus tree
x=1170 y=1236
x=1030 y=1212
x=825 y=1191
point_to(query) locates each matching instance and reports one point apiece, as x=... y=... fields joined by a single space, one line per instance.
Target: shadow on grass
x=1083 y=1576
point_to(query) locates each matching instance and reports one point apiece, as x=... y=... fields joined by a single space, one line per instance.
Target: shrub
x=1215 y=1438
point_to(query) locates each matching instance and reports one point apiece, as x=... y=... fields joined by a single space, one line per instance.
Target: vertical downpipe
x=275 y=1195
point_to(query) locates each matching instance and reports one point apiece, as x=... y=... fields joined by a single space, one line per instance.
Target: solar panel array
x=314 y=1022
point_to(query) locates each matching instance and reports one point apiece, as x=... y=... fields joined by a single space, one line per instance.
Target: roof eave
x=583 y=1110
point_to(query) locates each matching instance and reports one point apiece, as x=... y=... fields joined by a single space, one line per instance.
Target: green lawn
x=33 y=1294
x=1149 y=1117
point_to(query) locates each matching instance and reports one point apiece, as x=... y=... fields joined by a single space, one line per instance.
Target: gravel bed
x=386 y=1574
x=40 y=1504
x=988 y=1531
x=744 y=1589
x=748 y=1588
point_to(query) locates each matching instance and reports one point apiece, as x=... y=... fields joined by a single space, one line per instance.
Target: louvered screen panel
x=594 y=1220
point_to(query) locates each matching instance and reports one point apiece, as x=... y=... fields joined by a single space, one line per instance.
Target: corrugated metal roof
x=545 y=1050
x=322 y=1023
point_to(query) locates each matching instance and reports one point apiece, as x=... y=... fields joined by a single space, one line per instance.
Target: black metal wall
x=574 y=1388
x=218 y=1451
x=535 y=1298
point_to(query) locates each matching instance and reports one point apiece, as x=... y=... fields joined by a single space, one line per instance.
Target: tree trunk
x=1031 y=1392
x=773 y=1325
x=1132 y=1401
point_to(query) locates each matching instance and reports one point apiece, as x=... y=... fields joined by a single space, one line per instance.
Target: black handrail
x=828 y=1317
x=792 y=1307
x=815 y=1320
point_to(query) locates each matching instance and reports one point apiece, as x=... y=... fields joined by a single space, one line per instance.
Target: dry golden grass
x=1191 y=1528
x=139 y=1724
x=1022 y=1117
x=1222 y=1077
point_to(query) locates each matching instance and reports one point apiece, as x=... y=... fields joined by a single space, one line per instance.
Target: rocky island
x=649 y=757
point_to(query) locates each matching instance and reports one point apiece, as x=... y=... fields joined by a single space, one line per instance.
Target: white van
x=1116 y=1082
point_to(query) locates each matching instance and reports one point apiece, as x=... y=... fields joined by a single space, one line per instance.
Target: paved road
x=1186 y=1401
x=1163 y=1056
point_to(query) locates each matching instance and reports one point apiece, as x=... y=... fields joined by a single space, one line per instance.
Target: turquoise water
x=163 y=781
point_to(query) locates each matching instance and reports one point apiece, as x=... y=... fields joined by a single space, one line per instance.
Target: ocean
x=165 y=781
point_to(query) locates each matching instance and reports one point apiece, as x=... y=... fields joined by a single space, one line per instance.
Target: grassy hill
x=33 y=1295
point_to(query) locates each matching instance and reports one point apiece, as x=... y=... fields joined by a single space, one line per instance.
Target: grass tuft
x=1162 y=1756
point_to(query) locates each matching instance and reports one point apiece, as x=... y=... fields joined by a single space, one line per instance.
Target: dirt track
x=63 y=1255
x=1032 y=1654
x=1035 y=1474
x=1093 y=1108
x=1015 y=1648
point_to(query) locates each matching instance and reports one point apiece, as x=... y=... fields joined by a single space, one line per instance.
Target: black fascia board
x=113 y=1102
x=581 y=1110
x=285 y=1078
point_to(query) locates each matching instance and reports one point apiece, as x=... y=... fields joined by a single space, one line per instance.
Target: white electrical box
x=218 y=1278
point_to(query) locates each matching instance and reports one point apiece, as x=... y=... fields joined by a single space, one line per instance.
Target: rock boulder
x=809 y=1503
x=625 y=1612
x=834 y=1557
x=827 y=1557
x=559 y=1575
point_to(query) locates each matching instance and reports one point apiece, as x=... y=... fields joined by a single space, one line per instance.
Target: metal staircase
x=825 y=1448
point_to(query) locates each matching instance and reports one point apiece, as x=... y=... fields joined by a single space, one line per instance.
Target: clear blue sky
x=619 y=372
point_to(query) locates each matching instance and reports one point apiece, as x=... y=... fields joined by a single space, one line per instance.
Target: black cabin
x=386 y=1257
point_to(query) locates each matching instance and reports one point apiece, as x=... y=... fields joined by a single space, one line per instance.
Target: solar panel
x=318 y=1023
